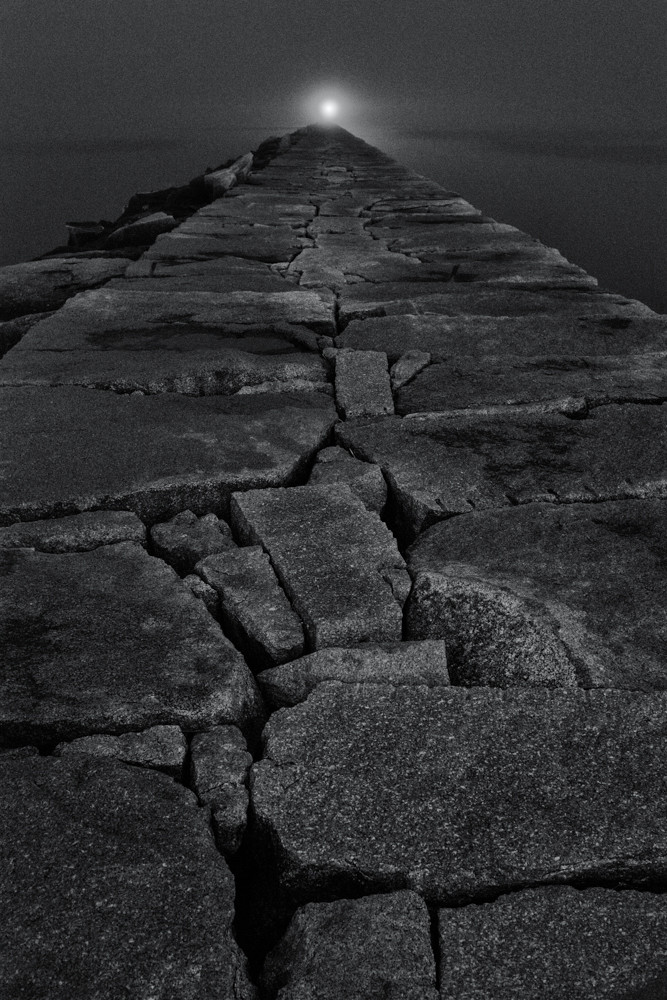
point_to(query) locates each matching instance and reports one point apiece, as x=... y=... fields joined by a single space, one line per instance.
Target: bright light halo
x=329 y=109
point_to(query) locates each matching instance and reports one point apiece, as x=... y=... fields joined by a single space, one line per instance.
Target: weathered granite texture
x=155 y=455
x=555 y=943
x=77 y=533
x=114 y=886
x=547 y=594
x=109 y=641
x=377 y=948
x=335 y=465
x=219 y=766
x=337 y=561
x=186 y=539
x=413 y=663
x=462 y=794
x=162 y=748
x=40 y=285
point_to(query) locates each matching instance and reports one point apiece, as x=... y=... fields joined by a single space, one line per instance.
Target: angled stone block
x=40 y=285
x=161 y=747
x=254 y=607
x=462 y=794
x=335 y=465
x=219 y=766
x=338 y=562
x=413 y=663
x=111 y=641
x=186 y=539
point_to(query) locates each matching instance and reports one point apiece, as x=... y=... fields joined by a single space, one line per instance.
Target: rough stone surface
x=142 y=232
x=462 y=794
x=70 y=449
x=547 y=594
x=407 y=366
x=270 y=244
x=162 y=748
x=376 y=948
x=557 y=332
x=465 y=382
x=114 y=887
x=219 y=766
x=186 y=539
x=438 y=466
x=452 y=299
x=222 y=371
x=110 y=641
x=77 y=533
x=362 y=384
x=335 y=465
x=13 y=330
x=415 y=663
x=337 y=561
x=40 y=285
x=254 y=608
x=555 y=943
x=204 y=593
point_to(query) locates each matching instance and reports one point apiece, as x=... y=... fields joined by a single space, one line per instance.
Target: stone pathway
x=333 y=606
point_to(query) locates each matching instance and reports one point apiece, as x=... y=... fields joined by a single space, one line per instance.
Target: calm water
x=602 y=202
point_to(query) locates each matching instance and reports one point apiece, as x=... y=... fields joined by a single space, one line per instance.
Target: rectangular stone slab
x=70 y=449
x=467 y=383
x=557 y=944
x=111 y=641
x=114 y=886
x=337 y=561
x=450 y=298
x=441 y=465
x=462 y=794
x=556 y=333
x=114 y=319
x=190 y=372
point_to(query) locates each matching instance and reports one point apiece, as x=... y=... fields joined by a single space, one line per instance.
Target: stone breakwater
x=333 y=531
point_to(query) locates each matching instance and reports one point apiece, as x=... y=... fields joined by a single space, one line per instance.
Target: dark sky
x=131 y=68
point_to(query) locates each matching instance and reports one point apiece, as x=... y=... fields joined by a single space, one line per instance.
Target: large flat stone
x=111 y=641
x=450 y=298
x=39 y=285
x=363 y=388
x=70 y=449
x=441 y=465
x=220 y=274
x=420 y=663
x=556 y=944
x=113 y=319
x=114 y=887
x=337 y=561
x=265 y=243
x=461 y=794
x=568 y=593
x=555 y=333
x=465 y=382
x=221 y=371
x=377 y=948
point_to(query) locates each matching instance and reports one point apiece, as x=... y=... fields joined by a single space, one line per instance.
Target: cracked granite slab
x=109 y=641
x=70 y=449
x=462 y=794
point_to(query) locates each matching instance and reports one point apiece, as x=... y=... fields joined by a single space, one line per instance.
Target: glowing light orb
x=329 y=109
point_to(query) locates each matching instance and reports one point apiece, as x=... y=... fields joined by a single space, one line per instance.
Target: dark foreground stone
x=556 y=944
x=112 y=886
x=40 y=285
x=376 y=948
x=547 y=594
x=337 y=561
x=67 y=450
x=441 y=465
x=77 y=533
x=462 y=794
x=110 y=641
